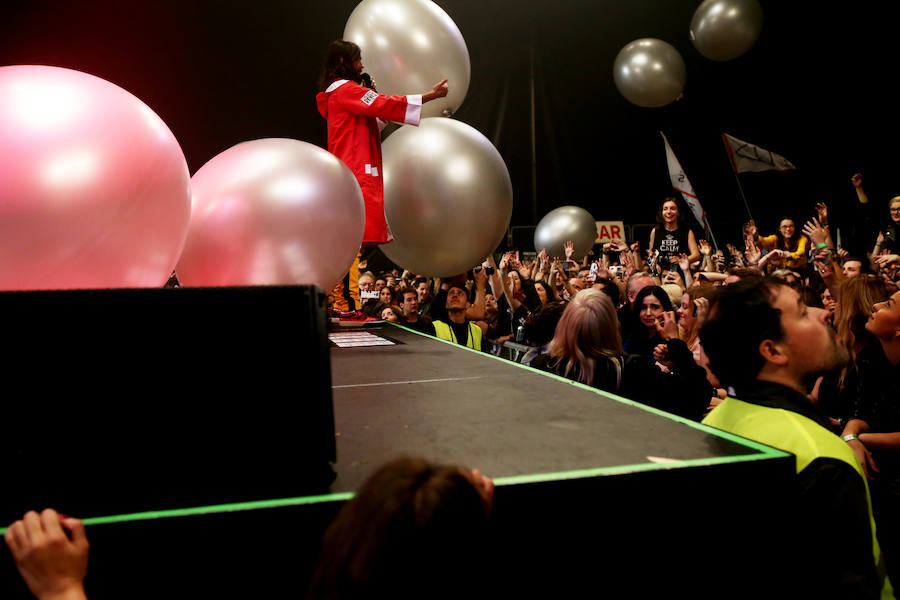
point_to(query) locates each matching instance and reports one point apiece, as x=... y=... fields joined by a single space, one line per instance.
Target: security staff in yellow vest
x=457 y=328
x=769 y=349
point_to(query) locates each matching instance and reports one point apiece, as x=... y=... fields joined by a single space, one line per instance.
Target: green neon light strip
x=214 y=509
x=768 y=451
x=341 y=497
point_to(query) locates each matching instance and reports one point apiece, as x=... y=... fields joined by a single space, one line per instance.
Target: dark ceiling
x=818 y=88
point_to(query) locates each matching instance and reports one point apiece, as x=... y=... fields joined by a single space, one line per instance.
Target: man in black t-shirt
x=413 y=320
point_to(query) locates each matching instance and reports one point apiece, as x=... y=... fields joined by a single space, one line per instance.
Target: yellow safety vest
x=445 y=332
x=794 y=433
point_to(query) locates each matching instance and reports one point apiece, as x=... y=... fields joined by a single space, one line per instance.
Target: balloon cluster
x=651 y=73
x=447 y=192
x=96 y=190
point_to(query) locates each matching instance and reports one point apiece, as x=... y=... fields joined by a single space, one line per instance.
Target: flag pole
x=743 y=197
x=709 y=230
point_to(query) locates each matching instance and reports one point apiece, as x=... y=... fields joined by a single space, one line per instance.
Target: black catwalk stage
x=218 y=484
x=424 y=396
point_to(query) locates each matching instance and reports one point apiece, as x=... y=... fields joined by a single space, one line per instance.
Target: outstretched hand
x=440 y=90
x=815 y=231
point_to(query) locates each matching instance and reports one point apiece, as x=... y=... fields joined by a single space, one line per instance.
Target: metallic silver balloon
x=565 y=224
x=410 y=45
x=272 y=211
x=649 y=72
x=447 y=197
x=725 y=29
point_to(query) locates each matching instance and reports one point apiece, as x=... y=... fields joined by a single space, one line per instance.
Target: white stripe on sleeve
x=413 y=109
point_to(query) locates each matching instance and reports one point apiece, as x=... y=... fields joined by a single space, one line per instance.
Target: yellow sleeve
x=767 y=243
x=800 y=252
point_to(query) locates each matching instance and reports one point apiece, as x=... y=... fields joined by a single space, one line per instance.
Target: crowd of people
x=643 y=324
x=789 y=340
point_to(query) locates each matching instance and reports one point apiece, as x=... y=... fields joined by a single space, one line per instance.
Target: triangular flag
x=747 y=157
x=681 y=184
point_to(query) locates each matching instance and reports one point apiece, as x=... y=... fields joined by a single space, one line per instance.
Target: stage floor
x=426 y=397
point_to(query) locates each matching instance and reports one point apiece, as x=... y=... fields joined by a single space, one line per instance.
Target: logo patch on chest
x=369 y=98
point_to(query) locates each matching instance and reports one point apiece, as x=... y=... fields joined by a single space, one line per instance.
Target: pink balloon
x=272 y=211
x=94 y=188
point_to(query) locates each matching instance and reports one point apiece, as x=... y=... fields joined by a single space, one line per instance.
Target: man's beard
x=835 y=357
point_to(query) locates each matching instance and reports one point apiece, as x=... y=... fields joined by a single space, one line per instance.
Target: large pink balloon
x=273 y=211
x=94 y=189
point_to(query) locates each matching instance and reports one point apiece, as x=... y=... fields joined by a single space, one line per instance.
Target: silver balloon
x=272 y=211
x=447 y=197
x=725 y=29
x=565 y=224
x=649 y=73
x=410 y=45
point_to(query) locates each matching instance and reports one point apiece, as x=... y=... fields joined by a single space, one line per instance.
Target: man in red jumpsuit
x=355 y=116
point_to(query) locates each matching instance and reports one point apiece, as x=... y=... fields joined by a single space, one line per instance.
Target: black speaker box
x=126 y=400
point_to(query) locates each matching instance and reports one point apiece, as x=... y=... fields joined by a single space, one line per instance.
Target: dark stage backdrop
x=817 y=88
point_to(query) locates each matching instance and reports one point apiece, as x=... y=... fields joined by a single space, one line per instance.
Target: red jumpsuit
x=352 y=112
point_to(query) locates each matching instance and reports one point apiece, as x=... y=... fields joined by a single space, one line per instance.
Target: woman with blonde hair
x=587 y=348
x=856 y=298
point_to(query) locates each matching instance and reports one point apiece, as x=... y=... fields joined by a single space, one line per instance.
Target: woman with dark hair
x=671 y=238
x=387 y=296
x=587 y=348
x=652 y=307
x=414 y=530
x=786 y=241
x=355 y=115
x=545 y=292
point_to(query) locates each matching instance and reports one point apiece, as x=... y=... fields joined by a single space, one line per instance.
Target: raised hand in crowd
x=736 y=256
x=618 y=246
x=753 y=254
x=705 y=248
x=671 y=277
x=857 y=181
x=504 y=261
x=719 y=260
x=817 y=233
x=524 y=268
x=773 y=257
x=887 y=259
x=822 y=210
x=636 y=257
x=51 y=553
x=751 y=229
x=514 y=261
x=685 y=264
x=668 y=329
x=626 y=259
x=569 y=248
x=702 y=305
x=543 y=262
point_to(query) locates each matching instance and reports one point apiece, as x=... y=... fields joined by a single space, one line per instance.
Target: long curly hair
x=856 y=298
